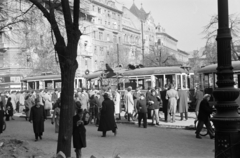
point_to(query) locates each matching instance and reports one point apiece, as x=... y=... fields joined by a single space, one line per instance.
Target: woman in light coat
x=129 y=103
x=117 y=104
x=48 y=103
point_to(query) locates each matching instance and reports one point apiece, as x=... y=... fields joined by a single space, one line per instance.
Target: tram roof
x=42 y=77
x=141 y=71
x=213 y=68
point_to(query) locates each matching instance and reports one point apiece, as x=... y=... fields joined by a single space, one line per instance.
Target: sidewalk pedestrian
x=1 y=117
x=153 y=102
x=29 y=103
x=56 y=117
x=204 y=116
x=117 y=105
x=9 y=110
x=79 y=133
x=37 y=117
x=183 y=103
x=172 y=96
x=107 y=121
x=142 y=111
x=129 y=103
x=165 y=103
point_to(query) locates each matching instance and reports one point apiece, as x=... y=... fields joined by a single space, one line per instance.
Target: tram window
x=184 y=81
x=191 y=77
x=216 y=80
x=58 y=84
x=206 y=81
x=179 y=81
x=235 y=76
x=210 y=81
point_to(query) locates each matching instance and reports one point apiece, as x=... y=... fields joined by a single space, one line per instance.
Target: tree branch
x=67 y=16
x=76 y=14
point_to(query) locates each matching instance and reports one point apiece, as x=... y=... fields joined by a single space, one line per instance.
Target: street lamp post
x=227 y=119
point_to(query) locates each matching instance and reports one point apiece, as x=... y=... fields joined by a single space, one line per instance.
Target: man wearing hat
x=205 y=110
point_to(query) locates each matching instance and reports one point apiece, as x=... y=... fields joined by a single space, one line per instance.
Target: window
x=93 y=7
x=108 y=38
x=101 y=50
x=109 y=15
x=99 y=21
x=94 y=34
x=119 y=39
x=1 y=37
x=108 y=23
x=95 y=50
x=105 y=22
x=99 y=10
x=86 y=63
x=100 y=36
x=114 y=38
x=1 y=60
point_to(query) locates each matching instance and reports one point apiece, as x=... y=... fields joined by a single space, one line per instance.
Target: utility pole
x=227 y=119
x=142 y=41
x=118 y=55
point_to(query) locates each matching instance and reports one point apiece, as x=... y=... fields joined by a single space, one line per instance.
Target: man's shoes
x=36 y=140
x=157 y=124
x=103 y=136
x=40 y=137
x=115 y=132
x=198 y=136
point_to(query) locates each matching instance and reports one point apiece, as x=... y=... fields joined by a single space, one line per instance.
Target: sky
x=183 y=19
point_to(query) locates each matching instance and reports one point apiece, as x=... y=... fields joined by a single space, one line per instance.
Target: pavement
x=185 y=124
x=130 y=142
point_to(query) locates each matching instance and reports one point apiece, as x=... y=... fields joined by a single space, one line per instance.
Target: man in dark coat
x=37 y=116
x=165 y=103
x=79 y=132
x=107 y=121
x=204 y=116
x=183 y=103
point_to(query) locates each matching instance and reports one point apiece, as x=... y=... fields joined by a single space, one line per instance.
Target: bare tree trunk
x=68 y=69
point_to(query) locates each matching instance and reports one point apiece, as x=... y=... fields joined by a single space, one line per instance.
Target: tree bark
x=68 y=69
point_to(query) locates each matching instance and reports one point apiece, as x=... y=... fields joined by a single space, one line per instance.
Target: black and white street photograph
x=119 y=78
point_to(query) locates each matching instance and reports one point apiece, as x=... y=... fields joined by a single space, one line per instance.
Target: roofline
x=183 y=52
x=106 y=6
x=127 y=29
x=162 y=33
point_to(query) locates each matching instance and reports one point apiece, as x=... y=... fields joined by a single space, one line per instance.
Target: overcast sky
x=183 y=19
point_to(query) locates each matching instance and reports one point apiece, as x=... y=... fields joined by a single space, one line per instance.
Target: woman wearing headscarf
x=205 y=111
x=107 y=121
x=37 y=117
x=28 y=105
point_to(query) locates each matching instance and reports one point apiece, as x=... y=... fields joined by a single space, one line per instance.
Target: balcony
x=100 y=26
x=92 y=13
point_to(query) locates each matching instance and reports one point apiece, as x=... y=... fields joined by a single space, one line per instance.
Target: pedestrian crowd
x=103 y=108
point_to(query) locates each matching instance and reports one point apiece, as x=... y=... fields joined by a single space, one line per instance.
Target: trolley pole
x=227 y=119
x=118 y=55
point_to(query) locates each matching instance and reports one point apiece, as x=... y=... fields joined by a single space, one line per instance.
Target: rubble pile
x=14 y=148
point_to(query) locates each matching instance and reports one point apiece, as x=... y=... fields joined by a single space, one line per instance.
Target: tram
x=10 y=82
x=208 y=77
x=144 y=77
x=47 y=81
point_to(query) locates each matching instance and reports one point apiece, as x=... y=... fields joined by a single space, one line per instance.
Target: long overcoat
x=204 y=111
x=129 y=103
x=37 y=116
x=199 y=97
x=183 y=101
x=107 y=121
x=164 y=101
x=79 y=134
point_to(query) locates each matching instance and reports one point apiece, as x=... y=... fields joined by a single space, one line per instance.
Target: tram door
x=160 y=81
x=169 y=79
